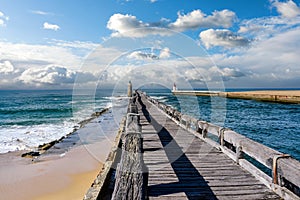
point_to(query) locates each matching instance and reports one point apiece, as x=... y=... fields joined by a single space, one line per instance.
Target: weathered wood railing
x=131 y=174
x=285 y=170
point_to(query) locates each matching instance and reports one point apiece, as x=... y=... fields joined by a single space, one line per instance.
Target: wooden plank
x=200 y=172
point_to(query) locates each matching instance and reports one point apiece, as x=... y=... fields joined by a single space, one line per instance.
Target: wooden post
x=133 y=108
x=133 y=123
x=131 y=175
x=274 y=167
x=239 y=154
x=221 y=136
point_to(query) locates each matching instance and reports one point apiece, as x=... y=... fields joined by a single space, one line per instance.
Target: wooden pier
x=173 y=156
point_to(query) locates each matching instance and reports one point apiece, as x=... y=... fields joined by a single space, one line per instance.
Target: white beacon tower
x=174 y=88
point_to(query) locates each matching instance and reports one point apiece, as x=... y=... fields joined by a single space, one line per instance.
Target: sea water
x=33 y=117
x=275 y=125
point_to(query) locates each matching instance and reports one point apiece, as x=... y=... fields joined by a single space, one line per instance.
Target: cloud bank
x=123 y=25
x=270 y=59
x=53 y=76
x=24 y=66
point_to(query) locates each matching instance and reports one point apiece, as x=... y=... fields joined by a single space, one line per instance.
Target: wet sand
x=76 y=190
x=66 y=177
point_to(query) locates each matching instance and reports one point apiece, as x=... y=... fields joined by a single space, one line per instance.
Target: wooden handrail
x=286 y=170
x=131 y=173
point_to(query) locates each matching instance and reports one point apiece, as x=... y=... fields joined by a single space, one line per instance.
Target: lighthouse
x=174 y=88
x=129 y=90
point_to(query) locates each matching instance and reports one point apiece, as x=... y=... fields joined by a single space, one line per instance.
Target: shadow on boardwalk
x=190 y=180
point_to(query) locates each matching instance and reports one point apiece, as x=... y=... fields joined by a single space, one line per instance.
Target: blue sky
x=47 y=44
x=86 y=20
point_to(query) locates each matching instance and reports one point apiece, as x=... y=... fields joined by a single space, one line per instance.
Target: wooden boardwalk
x=182 y=166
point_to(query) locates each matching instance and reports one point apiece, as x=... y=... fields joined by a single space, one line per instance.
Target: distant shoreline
x=280 y=96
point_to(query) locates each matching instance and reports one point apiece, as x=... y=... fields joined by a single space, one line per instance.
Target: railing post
x=239 y=154
x=221 y=136
x=131 y=178
x=203 y=128
x=274 y=167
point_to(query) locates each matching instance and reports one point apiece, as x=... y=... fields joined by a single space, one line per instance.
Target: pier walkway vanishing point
x=167 y=155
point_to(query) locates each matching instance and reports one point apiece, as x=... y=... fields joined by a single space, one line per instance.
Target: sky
x=59 y=44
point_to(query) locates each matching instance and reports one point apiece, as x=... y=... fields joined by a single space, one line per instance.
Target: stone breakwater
x=280 y=96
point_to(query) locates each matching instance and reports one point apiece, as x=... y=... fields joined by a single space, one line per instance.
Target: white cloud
x=153 y=1
x=287 y=9
x=211 y=74
x=23 y=55
x=3 y=19
x=226 y=73
x=130 y=26
x=139 y=55
x=260 y=29
x=165 y=53
x=126 y=25
x=273 y=59
x=197 y=19
x=222 y=37
x=248 y=29
x=6 y=67
x=53 y=75
x=187 y=71
x=48 y=75
x=49 y=26
x=39 y=12
x=280 y=51
x=46 y=63
x=75 y=44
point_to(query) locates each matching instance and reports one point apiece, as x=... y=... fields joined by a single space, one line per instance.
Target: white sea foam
x=29 y=137
x=15 y=138
x=160 y=98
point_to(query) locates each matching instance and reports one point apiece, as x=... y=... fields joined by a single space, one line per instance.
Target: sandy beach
x=59 y=177
x=58 y=173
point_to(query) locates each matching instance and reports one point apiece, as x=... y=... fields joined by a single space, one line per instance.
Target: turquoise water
x=273 y=124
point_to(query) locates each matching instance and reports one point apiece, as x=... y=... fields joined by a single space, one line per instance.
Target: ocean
x=275 y=125
x=31 y=118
